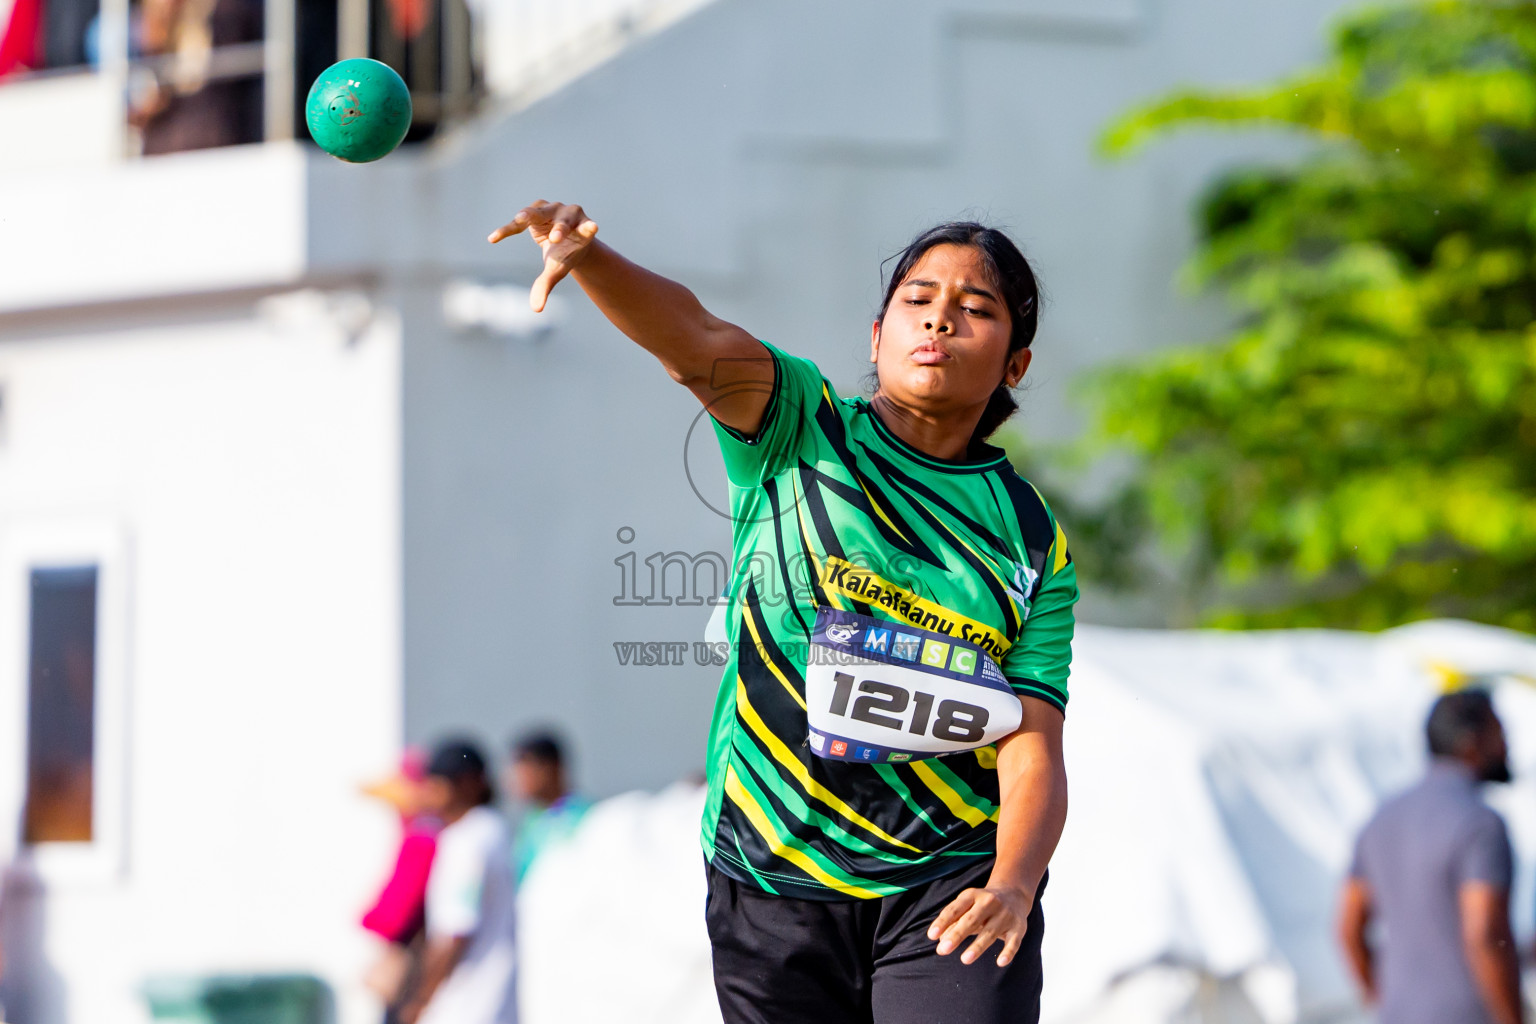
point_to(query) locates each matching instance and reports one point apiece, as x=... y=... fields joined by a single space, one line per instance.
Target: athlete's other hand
x=990 y=914
x=564 y=232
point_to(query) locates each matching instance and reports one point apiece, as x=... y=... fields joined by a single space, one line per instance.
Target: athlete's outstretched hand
x=990 y=914
x=714 y=359
x=563 y=231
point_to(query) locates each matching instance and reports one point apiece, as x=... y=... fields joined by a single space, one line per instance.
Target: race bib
x=883 y=692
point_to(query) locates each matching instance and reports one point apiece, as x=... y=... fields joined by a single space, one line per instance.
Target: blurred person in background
x=398 y=915
x=467 y=973
x=1433 y=867
x=184 y=109
x=536 y=775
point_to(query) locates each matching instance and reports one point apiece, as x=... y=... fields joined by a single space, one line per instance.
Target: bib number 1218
x=879 y=703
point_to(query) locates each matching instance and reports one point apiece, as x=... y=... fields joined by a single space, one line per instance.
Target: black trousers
x=787 y=961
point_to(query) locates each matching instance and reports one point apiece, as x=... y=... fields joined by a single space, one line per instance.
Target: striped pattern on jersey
x=832 y=509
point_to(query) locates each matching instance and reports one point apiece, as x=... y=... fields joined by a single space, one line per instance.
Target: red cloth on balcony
x=18 y=47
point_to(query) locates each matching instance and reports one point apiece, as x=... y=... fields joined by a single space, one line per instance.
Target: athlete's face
x=941 y=346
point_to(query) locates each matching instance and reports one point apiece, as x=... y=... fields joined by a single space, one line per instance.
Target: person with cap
x=398 y=914
x=1434 y=867
x=468 y=970
x=536 y=775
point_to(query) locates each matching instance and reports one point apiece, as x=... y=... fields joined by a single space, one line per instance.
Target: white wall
x=32 y=111
x=250 y=465
x=161 y=227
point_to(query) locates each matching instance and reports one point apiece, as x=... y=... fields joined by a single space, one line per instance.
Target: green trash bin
x=240 y=999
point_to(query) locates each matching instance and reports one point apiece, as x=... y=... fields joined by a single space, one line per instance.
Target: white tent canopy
x=1217 y=782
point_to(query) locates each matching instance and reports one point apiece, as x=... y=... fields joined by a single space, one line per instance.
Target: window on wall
x=61 y=706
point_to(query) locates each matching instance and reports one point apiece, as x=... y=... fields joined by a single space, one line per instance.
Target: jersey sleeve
x=797 y=388
x=1038 y=663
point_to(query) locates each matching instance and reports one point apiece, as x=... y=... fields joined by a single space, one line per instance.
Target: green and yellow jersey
x=835 y=516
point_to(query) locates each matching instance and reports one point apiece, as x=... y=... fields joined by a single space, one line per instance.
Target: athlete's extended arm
x=1032 y=780
x=725 y=367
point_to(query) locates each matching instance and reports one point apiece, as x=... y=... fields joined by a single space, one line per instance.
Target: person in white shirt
x=468 y=972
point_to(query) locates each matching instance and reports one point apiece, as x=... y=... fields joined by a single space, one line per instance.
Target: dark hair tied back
x=1010 y=273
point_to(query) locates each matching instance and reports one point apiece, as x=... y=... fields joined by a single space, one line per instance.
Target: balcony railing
x=230 y=71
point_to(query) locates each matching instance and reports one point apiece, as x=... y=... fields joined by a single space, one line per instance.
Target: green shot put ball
x=358 y=110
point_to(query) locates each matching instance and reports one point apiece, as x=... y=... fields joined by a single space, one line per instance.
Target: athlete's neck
x=943 y=437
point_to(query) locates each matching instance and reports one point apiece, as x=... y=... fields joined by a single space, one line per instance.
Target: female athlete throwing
x=886 y=783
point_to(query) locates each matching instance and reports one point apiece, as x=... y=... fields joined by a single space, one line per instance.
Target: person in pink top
x=398 y=914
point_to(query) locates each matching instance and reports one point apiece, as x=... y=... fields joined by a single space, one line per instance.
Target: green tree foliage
x=1361 y=451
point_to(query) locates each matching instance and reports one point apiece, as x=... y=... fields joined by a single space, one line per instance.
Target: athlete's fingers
x=982 y=909
x=517 y=225
x=1011 y=946
x=573 y=234
x=529 y=215
x=951 y=913
x=983 y=942
x=566 y=219
x=559 y=260
x=970 y=922
x=538 y=295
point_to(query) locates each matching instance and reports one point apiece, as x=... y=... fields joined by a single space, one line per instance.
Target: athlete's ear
x=1016 y=367
x=874 y=342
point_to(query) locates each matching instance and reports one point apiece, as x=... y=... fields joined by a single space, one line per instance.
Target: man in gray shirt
x=1433 y=868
